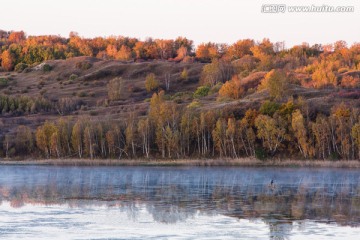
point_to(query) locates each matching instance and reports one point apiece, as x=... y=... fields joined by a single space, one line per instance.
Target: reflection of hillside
x=170 y=202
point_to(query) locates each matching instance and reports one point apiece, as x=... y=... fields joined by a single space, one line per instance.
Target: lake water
x=48 y=202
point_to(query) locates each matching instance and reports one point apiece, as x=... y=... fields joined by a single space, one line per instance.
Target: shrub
x=194 y=104
x=82 y=94
x=260 y=154
x=73 y=77
x=42 y=92
x=47 y=68
x=184 y=75
x=3 y=82
x=93 y=113
x=216 y=88
x=201 y=91
x=83 y=65
x=269 y=108
x=20 y=67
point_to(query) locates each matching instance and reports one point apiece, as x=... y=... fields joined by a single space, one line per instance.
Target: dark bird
x=272 y=185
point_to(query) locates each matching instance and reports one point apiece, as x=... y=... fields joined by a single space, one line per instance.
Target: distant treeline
x=16 y=48
x=170 y=131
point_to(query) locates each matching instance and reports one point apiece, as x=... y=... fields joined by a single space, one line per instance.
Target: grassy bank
x=245 y=162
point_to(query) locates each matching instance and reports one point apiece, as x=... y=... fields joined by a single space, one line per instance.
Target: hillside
x=87 y=88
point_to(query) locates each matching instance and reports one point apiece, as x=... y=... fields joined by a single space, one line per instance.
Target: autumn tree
x=185 y=131
x=124 y=53
x=65 y=128
x=144 y=131
x=99 y=142
x=232 y=89
x=77 y=138
x=210 y=74
x=88 y=139
x=43 y=135
x=7 y=145
x=321 y=131
x=355 y=133
x=115 y=87
x=231 y=135
x=270 y=132
x=205 y=52
x=16 y=37
x=130 y=134
x=275 y=81
x=166 y=48
x=241 y=48
x=55 y=144
x=219 y=137
x=110 y=140
x=264 y=51
x=246 y=132
x=151 y=82
x=7 y=60
x=341 y=130
x=301 y=134
x=181 y=53
x=324 y=74
x=24 y=141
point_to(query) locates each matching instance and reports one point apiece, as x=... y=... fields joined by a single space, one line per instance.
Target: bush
x=47 y=68
x=82 y=94
x=216 y=88
x=93 y=113
x=260 y=154
x=184 y=75
x=73 y=77
x=42 y=92
x=83 y=65
x=269 y=108
x=194 y=104
x=201 y=91
x=3 y=82
x=20 y=67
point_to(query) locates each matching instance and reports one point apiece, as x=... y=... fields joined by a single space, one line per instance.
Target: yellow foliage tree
x=275 y=81
x=115 y=87
x=151 y=83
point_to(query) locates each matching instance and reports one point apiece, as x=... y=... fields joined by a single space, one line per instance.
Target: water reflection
x=174 y=195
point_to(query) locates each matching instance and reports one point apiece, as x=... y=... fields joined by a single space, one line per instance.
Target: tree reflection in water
x=171 y=195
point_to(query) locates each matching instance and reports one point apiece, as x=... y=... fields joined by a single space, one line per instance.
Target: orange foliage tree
x=7 y=60
x=232 y=89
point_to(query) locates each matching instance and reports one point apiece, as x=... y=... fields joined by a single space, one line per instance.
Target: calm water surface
x=39 y=202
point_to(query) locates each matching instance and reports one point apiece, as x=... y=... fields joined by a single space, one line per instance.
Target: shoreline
x=240 y=162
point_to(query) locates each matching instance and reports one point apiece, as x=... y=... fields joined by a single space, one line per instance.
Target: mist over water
x=47 y=202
